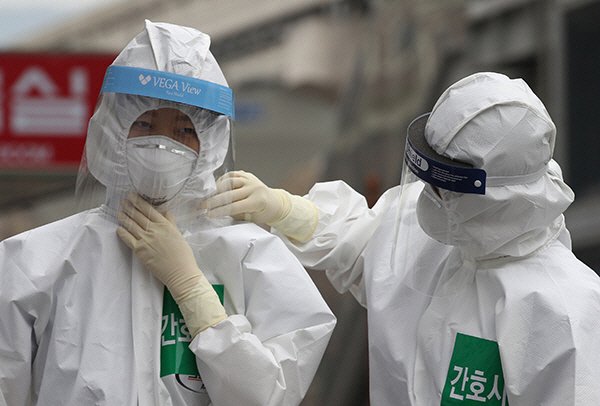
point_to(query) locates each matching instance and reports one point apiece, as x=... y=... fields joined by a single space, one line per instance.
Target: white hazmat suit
x=473 y=294
x=83 y=322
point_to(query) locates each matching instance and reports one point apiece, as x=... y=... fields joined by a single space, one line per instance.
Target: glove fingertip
x=170 y=217
x=126 y=236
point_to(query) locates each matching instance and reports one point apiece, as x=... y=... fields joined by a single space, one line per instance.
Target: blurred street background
x=324 y=89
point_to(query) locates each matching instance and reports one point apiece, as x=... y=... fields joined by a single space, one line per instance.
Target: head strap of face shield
x=169 y=86
x=436 y=169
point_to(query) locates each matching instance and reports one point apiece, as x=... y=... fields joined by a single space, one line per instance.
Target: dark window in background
x=583 y=108
x=590 y=257
x=583 y=98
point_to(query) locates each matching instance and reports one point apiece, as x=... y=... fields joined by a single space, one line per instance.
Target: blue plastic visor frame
x=169 y=86
x=436 y=169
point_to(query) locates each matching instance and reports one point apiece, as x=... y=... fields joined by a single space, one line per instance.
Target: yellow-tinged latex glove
x=160 y=246
x=244 y=197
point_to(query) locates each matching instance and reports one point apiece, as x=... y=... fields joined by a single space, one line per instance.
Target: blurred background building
x=325 y=90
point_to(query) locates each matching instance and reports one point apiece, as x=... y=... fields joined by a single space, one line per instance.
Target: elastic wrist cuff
x=301 y=221
x=201 y=309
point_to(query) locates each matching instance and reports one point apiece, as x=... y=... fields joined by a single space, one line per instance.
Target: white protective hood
x=167 y=48
x=499 y=125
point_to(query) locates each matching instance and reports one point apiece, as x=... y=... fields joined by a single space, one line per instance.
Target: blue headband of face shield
x=169 y=86
x=436 y=169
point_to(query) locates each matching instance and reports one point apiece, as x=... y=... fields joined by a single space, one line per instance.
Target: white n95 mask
x=159 y=167
x=432 y=215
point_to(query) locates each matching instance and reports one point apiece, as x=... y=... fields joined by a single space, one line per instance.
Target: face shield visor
x=164 y=136
x=421 y=223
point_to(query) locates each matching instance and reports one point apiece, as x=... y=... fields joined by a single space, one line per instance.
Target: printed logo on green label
x=175 y=355
x=475 y=374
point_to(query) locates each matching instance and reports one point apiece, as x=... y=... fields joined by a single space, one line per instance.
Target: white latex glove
x=160 y=246
x=243 y=196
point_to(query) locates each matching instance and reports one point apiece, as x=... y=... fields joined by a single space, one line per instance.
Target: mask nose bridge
x=433 y=195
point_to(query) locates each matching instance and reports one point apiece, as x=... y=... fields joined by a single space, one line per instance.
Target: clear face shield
x=423 y=232
x=163 y=136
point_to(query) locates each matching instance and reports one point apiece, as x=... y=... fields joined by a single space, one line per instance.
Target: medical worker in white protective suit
x=473 y=294
x=82 y=316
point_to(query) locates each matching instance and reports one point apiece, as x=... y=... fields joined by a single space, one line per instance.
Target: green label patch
x=175 y=355
x=475 y=374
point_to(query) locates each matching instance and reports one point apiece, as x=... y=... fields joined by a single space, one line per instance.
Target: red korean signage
x=46 y=101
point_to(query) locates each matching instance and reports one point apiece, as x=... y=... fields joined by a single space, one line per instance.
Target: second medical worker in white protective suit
x=473 y=294
x=85 y=320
